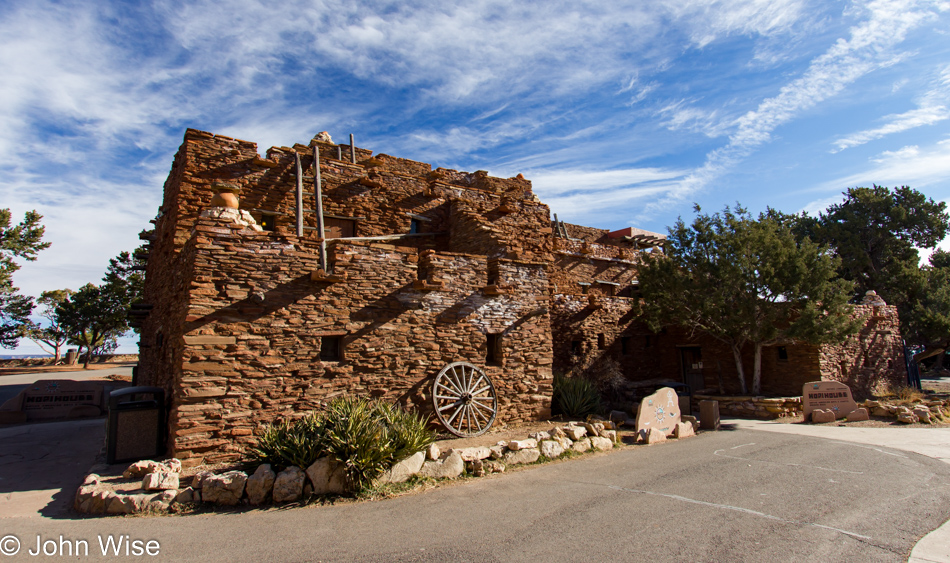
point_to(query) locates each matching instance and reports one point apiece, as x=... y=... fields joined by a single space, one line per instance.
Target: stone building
x=244 y=322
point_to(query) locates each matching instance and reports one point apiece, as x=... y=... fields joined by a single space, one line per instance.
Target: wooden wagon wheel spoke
x=464 y=399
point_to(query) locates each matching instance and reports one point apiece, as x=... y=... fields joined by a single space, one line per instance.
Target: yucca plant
x=286 y=443
x=575 y=397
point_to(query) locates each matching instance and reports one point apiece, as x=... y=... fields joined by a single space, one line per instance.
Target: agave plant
x=575 y=397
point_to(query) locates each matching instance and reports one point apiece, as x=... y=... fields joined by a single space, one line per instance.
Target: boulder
x=594 y=429
x=881 y=411
x=497 y=451
x=91 y=479
x=581 y=445
x=551 y=449
x=449 y=468
x=820 y=416
x=575 y=432
x=173 y=465
x=288 y=486
x=142 y=468
x=858 y=415
x=529 y=455
x=327 y=476
x=199 y=478
x=493 y=466
x=473 y=453
x=260 y=484
x=557 y=432
x=610 y=435
x=540 y=436
x=405 y=469
x=160 y=481
x=683 y=430
x=565 y=442
x=477 y=468
x=529 y=443
x=654 y=436
x=433 y=452
x=128 y=504
x=923 y=413
x=187 y=495
x=691 y=420
x=601 y=443
x=907 y=418
x=226 y=489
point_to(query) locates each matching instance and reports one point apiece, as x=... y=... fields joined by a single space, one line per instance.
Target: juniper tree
x=23 y=241
x=745 y=281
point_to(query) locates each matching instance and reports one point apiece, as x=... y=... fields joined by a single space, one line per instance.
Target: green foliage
x=93 y=317
x=286 y=443
x=368 y=437
x=926 y=317
x=52 y=335
x=575 y=397
x=22 y=241
x=876 y=232
x=746 y=280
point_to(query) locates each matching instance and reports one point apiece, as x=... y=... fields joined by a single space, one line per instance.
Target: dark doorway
x=691 y=362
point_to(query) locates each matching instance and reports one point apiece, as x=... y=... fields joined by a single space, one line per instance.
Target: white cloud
x=911 y=166
x=868 y=47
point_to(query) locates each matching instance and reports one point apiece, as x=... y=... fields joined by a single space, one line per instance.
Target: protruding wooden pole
x=318 y=205
x=352 y=150
x=299 y=194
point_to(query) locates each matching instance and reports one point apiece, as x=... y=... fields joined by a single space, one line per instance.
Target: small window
x=575 y=347
x=269 y=222
x=601 y=341
x=782 y=354
x=624 y=345
x=331 y=348
x=415 y=226
x=493 y=350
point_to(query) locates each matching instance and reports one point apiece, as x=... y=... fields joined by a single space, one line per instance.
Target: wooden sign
x=831 y=395
x=660 y=410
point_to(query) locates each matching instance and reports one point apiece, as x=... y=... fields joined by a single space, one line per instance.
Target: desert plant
x=575 y=397
x=368 y=437
x=286 y=443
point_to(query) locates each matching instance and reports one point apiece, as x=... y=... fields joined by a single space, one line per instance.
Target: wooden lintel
x=321 y=276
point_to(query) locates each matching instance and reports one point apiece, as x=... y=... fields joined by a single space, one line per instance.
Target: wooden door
x=339 y=228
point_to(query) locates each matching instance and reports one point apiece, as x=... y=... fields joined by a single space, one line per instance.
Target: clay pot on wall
x=225 y=195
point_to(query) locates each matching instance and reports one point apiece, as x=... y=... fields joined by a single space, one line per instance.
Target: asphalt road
x=739 y=495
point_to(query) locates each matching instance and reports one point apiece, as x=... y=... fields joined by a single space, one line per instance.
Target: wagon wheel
x=464 y=399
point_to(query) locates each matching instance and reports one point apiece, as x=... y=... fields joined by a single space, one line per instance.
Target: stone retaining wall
x=752 y=407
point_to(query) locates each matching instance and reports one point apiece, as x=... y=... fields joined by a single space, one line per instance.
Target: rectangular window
x=624 y=345
x=339 y=228
x=575 y=347
x=269 y=222
x=601 y=341
x=415 y=226
x=493 y=349
x=782 y=354
x=331 y=348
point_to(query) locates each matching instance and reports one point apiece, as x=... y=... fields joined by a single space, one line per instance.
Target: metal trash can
x=136 y=424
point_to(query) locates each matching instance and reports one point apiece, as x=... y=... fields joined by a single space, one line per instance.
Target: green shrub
x=286 y=443
x=575 y=397
x=368 y=437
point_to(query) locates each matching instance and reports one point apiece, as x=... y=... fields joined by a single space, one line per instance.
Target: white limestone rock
x=260 y=484
x=529 y=455
x=160 y=481
x=226 y=489
x=288 y=486
x=449 y=468
x=551 y=449
x=529 y=443
x=405 y=469
x=327 y=477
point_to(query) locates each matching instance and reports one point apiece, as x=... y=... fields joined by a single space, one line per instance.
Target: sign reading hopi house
x=660 y=410
x=52 y=399
x=831 y=395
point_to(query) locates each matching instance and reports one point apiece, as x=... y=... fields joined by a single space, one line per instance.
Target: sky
x=621 y=113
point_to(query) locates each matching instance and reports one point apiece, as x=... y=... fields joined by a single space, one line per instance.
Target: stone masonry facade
x=427 y=267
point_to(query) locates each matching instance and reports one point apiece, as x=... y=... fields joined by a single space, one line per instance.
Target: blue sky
x=622 y=113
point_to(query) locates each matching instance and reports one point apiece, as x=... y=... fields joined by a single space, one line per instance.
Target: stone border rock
x=150 y=486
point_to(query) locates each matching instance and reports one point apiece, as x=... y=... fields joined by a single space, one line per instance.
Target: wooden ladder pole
x=299 y=194
x=352 y=150
x=318 y=206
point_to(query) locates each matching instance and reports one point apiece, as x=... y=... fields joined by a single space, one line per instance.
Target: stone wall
x=251 y=340
x=752 y=407
x=871 y=361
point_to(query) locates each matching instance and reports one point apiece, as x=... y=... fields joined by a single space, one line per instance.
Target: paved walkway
x=931 y=442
